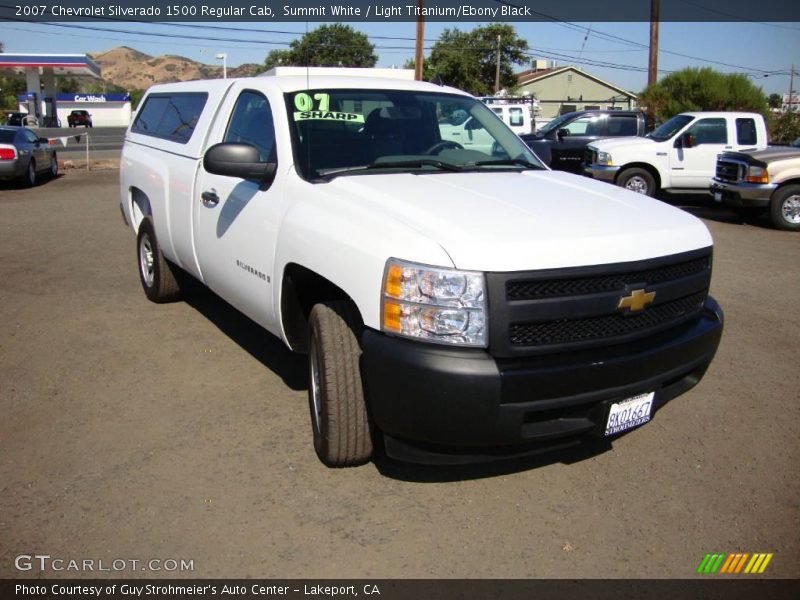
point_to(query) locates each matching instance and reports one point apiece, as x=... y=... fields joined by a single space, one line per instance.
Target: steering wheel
x=439 y=146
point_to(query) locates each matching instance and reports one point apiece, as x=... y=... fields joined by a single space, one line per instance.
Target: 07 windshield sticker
x=317 y=108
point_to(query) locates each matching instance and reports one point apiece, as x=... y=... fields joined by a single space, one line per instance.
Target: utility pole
x=652 y=70
x=791 y=88
x=497 y=68
x=420 y=36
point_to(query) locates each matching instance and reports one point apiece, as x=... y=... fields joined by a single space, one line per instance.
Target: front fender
x=347 y=243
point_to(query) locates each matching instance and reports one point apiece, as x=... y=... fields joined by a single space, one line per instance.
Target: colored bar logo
x=734 y=564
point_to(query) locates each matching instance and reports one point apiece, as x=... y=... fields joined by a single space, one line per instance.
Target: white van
x=516 y=116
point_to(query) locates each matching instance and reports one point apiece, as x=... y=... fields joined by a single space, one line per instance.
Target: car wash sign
x=102 y=98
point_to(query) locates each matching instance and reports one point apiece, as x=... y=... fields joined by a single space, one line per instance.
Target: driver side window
x=709 y=131
x=251 y=123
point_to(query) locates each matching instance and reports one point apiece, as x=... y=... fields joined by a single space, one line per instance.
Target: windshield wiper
x=415 y=163
x=508 y=161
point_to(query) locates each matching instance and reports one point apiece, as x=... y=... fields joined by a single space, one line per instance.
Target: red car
x=79 y=117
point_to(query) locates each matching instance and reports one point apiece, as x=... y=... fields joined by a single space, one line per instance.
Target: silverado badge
x=637 y=300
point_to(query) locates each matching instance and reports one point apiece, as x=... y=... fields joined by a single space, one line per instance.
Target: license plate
x=718 y=196
x=629 y=413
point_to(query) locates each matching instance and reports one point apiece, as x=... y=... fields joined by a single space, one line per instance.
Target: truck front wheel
x=339 y=418
x=784 y=208
x=155 y=272
x=637 y=180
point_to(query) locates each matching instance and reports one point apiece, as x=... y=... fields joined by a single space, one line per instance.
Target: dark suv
x=560 y=143
x=79 y=117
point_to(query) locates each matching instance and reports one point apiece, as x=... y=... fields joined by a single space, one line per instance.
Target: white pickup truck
x=456 y=304
x=680 y=155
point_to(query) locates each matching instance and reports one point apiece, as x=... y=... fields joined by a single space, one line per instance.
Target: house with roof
x=565 y=89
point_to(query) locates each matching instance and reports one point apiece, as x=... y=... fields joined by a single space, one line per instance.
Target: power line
x=613 y=37
x=541 y=52
x=737 y=17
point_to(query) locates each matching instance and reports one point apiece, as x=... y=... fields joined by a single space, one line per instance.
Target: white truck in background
x=680 y=155
x=456 y=304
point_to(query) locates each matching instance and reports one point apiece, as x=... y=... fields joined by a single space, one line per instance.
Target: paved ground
x=136 y=431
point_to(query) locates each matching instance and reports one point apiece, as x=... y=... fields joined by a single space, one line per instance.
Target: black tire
x=156 y=273
x=29 y=179
x=54 y=166
x=784 y=207
x=339 y=419
x=638 y=180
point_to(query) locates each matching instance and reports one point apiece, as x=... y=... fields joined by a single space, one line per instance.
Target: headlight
x=603 y=158
x=434 y=304
x=757 y=175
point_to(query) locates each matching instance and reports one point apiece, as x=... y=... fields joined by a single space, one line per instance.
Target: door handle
x=210 y=198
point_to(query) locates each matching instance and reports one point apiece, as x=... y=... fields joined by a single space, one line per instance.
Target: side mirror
x=562 y=133
x=238 y=160
x=473 y=124
x=687 y=141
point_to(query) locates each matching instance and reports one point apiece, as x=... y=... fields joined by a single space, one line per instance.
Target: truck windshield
x=554 y=124
x=362 y=131
x=670 y=128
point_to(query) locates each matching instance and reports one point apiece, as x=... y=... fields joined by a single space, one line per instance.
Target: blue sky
x=755 y=48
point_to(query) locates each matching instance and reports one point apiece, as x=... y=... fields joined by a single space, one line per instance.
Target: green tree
x=694 y=89
x=784 y=129
x=468 y=60
x=327 y=46
x=67 y=85
x=136 y=97
x=775 y=100
x=278 y=58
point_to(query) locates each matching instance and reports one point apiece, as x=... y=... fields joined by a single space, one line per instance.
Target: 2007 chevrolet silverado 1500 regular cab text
x=680 y=155
x=456 y=304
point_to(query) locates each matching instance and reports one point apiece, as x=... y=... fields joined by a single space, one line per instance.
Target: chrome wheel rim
x=146 y=261
x=637 y=184
x=316 y=386
x=54 y=166
x=791 y=209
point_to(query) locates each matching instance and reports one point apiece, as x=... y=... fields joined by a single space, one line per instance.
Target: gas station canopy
x=75 y=65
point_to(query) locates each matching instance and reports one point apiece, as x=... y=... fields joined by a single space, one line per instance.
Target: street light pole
x=224 y=58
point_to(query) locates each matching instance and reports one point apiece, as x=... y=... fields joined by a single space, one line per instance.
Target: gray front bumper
x=742 y=194
x=601 y=172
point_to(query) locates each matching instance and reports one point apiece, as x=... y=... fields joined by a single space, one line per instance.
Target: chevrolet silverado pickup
x=680 y=155
x=456 y=304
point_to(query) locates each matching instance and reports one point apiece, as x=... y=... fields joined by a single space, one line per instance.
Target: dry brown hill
x=134 y=70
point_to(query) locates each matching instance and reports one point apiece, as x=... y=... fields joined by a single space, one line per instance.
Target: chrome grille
x=730 y=170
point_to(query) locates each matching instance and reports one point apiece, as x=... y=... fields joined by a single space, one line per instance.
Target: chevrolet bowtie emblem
x=637 y=300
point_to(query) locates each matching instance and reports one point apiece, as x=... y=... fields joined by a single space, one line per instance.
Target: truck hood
x=504 y=221
x=624 y=143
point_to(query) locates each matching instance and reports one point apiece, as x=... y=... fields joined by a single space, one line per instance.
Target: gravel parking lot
x=136 y=431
